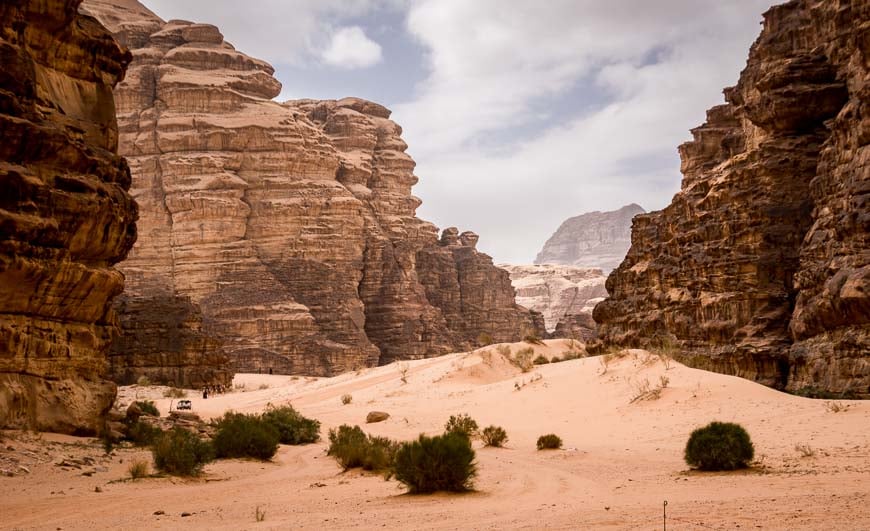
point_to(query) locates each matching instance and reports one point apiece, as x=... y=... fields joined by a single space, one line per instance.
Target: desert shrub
x=462 y=424
x=719 y=446
x=181 y=453
x=147 y=407
x=569 y=355
x=174 y=392
x=346 y=399
x=504 y=350
x=142 y=433
x=494 y=436
x=817 y=392
x=143 y=381
x=292 y=427
x=352 y=448
x=138 y=469
x=523 y=359
x=439 y=463
x=551 y=441
x=240 y=435
x=484 y=339
x=533 y=339
x=540 y=360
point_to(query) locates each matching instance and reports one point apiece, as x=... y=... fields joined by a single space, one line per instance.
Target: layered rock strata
x=564 y=295
x=65 y=215
x=291 y=226
x=760 y=266
x=595 y=239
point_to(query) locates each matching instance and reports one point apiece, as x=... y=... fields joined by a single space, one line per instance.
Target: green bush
x=719 y=446
x=551 y=441
x=462 y=424
x=292 y=427
x=440 y=463
x=142 y=433
x=540 y=360
x=533 y=339
x=147 y=407
x=181 y=453
x=494 y=436
x=138 y=469
x=523 y=359
x=484 y=339
x=346 y=399
x=240 y=435
x=352 y=448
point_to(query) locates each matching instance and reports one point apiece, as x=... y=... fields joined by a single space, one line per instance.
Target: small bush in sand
x=484 y=339
x=835 y=406
x=504 y=350
x=143 y=381
x=259 y=515
x=494 y=436
x=805 y=450
x=719 y=446
x=139 y=469
x=240 y=435
x=533 y=339
x=352 y=448
x=143 y=434
x=346 y=399
x=523 y=359
x=439 y=463
x=263 y=386
x=551 y=441
x=292 y=427
x=403 y=369
x=147 y=407
x=174 y=392
x=540 y=360
x=181 y=453
x=643 y=390
x=462 y=424
x=569 y=355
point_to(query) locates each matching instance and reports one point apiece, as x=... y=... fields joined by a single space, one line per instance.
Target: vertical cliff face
x=594 y=239
x=65 y=215
x=760 y=266
x=290 y=226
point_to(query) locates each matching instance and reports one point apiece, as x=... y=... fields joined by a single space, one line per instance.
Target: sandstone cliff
x=290 y=226
x=595 y=239
x=760 y=266
x=564 y=295
x=65 y=216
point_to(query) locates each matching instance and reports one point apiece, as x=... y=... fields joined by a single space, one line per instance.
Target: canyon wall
x=290 y=227
x=760 y=266
x=564 y=295
x=65 y=215
x=595 y=239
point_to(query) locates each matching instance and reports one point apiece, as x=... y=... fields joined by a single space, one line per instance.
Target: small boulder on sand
x=376 y=416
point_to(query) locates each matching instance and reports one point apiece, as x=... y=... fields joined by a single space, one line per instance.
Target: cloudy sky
x=519 y=113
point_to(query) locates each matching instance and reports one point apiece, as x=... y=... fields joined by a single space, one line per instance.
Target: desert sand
x=620 y=462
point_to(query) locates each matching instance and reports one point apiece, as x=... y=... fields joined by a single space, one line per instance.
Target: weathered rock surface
x=594 y=239
x=565 y=295
x=760 y=267
x=65 y=215
x=291 y=226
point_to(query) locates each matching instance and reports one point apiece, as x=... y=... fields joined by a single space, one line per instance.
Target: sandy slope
x=621 y=460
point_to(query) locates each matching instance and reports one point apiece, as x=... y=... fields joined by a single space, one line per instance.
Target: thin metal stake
x=665 y=516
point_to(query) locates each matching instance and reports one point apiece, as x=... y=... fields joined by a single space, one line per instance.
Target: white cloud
x=620 y=84
x=351 y=48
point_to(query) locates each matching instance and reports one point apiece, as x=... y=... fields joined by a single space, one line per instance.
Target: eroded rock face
x=591 y=240
x=760 y=267
x=565 y=295
x=65 y=215
x=291 y=226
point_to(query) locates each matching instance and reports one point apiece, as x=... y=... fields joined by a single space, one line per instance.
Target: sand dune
x=621 y=460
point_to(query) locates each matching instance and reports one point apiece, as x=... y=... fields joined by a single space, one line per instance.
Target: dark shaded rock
x=760 y=266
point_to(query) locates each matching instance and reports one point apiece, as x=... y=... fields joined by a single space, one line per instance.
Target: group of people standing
x=218 y=389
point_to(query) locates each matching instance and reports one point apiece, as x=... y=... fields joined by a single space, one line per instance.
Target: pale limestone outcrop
x=595 y=239
x=291 y=226
x=760 y=266
x=564 y=295
x=65 y=215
